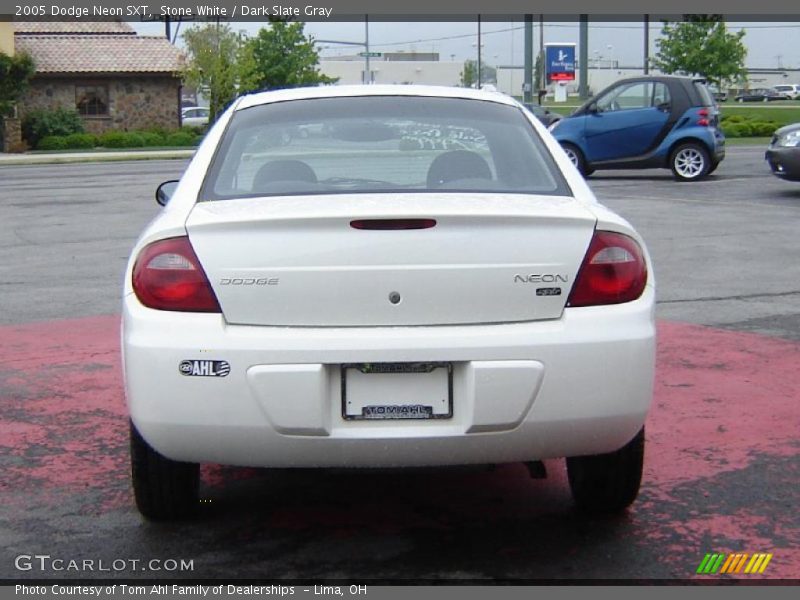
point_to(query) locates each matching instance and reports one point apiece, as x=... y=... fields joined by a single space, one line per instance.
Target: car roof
x=345 y=91
x=663 y=78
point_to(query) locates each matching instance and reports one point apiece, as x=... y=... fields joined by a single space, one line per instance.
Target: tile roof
x=99 y=53
x=72 y=28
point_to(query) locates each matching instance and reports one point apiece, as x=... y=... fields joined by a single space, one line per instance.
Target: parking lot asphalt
x=722 y=467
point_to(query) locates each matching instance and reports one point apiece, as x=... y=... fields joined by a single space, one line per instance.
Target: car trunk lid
x=477 y=258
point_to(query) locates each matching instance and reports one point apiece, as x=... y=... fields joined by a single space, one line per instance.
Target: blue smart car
x=662 y=122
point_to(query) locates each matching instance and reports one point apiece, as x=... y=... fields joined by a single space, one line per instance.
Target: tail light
x=703 y=120
x=614 y=271
x=168 y=276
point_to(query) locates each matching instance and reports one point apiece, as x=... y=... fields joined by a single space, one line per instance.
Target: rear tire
x=607 y=483
x=165 y=489
x=689 y=162
x=576 y=157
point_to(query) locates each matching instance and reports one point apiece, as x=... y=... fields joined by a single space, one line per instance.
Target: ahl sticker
x=204 y=368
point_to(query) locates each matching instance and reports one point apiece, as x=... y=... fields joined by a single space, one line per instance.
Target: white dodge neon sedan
x=419 y=278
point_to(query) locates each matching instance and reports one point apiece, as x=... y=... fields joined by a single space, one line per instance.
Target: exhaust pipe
x=536 y=469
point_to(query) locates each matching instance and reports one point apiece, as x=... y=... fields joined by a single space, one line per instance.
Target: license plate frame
x=398 y=411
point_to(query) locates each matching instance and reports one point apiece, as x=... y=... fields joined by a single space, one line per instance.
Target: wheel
x=164 y=489
x=607 y=483
x=689 y=162
x=740 y=100
x=713 y=167
x=576 y=156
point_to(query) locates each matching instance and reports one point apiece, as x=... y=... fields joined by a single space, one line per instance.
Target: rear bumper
x=784 y=162
x=718 y=147
x=581 y=384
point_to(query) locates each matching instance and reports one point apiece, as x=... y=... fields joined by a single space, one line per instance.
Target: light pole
x=478 y=46
x=479 y=51
x=367 y=73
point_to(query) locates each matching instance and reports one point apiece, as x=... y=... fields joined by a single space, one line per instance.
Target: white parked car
x=195 y=116
x=791 y=91
x=426 y=281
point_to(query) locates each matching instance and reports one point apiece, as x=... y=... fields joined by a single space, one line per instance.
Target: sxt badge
x=204 y=368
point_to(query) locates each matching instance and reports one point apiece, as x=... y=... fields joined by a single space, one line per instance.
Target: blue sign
x=560 y=62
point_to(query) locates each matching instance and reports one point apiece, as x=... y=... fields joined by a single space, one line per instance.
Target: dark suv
x=646 y=122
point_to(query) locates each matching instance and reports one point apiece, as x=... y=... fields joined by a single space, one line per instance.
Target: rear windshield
x=380 y=144
x=705 y=96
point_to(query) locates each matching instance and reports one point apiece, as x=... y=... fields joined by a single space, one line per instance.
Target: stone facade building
x=113 y=78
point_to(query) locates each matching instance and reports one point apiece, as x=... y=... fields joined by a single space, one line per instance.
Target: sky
x=502 y=43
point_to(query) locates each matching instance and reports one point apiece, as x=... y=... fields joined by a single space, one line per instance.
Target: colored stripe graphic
x=758 y=563
x=740 y=564
x=718 y=564
x=728 y=566
x=734 y=563
x=703 y=563
x=765 y=563
x=711 y=563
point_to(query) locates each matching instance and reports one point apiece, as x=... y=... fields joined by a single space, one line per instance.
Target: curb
x=47 y=159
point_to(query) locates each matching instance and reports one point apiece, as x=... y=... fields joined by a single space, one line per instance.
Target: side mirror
x=165 y=191
x=592 y=108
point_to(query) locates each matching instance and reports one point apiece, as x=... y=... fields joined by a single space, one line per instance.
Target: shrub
x=134 y=139
x=121 y=139
x=52 y=142
x=160 y=131
x=746 y=129
x=181 y=138
x=737 y=130
x=763 y=128
x=39 y=124
x=112 y=139
x=81 y=140
x=194 y=129
x=734 y=119
x=152 y=138
x=731 y=130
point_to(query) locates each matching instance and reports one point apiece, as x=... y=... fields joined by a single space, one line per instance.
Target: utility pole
x=479 y=51
x=583 y=84
x=646 y=44
x=543 y=82
x=367 y=72
x=527 y=86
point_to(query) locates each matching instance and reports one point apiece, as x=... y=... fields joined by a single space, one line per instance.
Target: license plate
x=390 y=391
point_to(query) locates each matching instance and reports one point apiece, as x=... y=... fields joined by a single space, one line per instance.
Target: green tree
x=537 y=73
x=15 y=73
x=214 y=56
x=469 y=76
x=281 y=56
x=701 y=45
